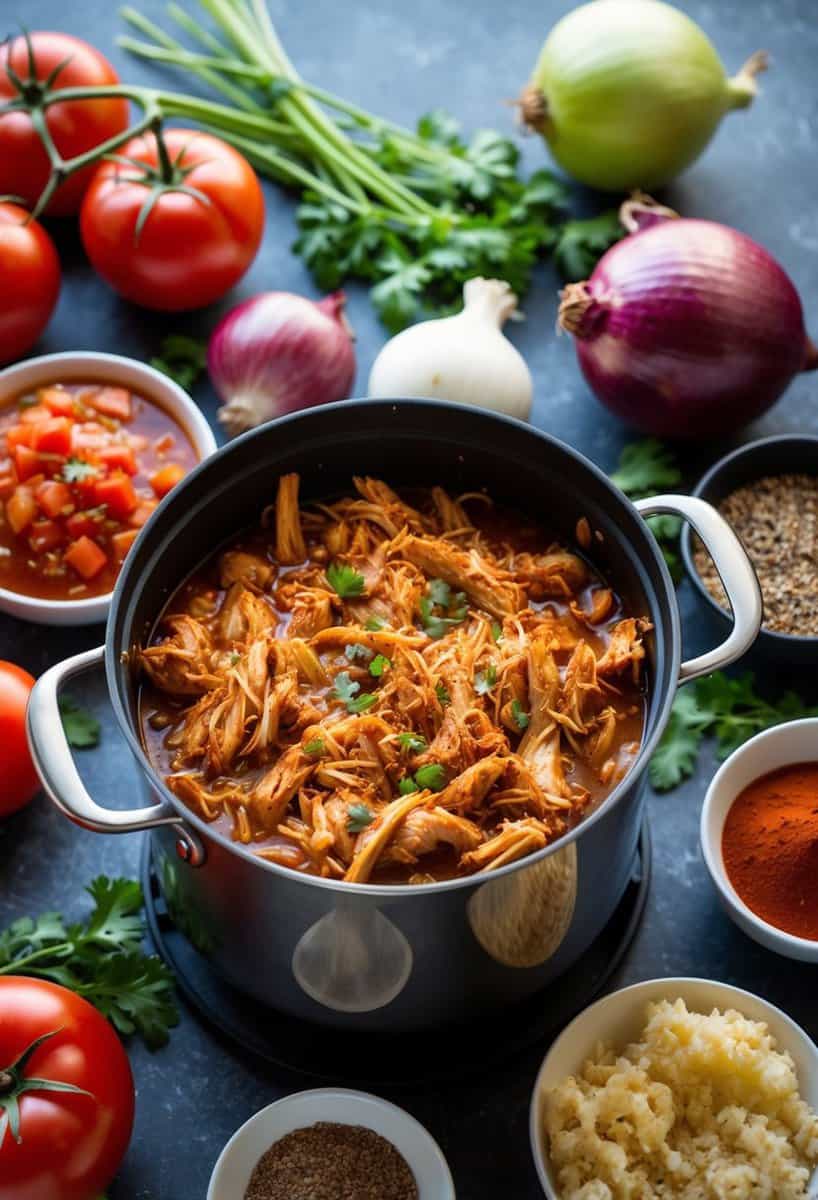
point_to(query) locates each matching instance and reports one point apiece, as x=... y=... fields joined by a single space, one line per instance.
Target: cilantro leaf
x=76 y=470
x=521 y=718
x=347 y=689
x=581 y=243
x=100 y=958
x=359 y=817
x=645 y=467
x=442 y=693
x=413 y=742
x=315 y=748
x=728 y=708
x=354 y=650
x=496 y=631
x=81 y=728
x=439 y=592
x=379 y=664
x=407 y=786
x=345 y=580
x=432 y=776
x=374 y=624
x=439 y=596
x=182 y=358
x=484 y=681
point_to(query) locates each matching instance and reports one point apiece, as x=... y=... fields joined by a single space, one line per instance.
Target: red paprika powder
x=770 y=848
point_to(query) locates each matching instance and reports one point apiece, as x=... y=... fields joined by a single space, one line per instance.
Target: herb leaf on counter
x=581 y=243
x=81 y=728
x=729 y=709
x=101 y=959
x=181 y=358
x=645 y=468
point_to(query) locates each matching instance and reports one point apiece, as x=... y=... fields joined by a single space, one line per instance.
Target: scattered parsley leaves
x=484 y=681
x=356 y=651
x=454 y=609
x=520 y=717
x=415 y=743
x=432 y=776
x=497 y=631
x=442 y=693
x=379 y=664
x=407 y=786
x=374 y=624
x=100 y=958
x=346 y=690
x=359 y=817
x=315 y=748
x=76 y=470
x=182 y=358
x=345 y=580
x=81 y=728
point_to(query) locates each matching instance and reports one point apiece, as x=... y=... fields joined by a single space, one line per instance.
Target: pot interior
x=411 y=443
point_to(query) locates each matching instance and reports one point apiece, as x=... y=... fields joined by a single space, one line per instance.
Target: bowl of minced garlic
x=328 y=1143
x=768 y=491
x=759 y=837
x=678 y=1088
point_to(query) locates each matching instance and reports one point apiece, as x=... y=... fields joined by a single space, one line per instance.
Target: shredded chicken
x=385 y=690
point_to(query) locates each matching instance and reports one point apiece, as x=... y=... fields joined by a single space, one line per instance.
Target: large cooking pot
x=396 y=957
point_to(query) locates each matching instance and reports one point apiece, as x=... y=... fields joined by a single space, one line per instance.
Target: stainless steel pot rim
x=385 y=891
x=807 y=641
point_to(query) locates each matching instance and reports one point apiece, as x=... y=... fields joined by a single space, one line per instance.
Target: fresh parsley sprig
x=346 y=690
x=182 y=358
x=441 y=609
x=100 y=958
x=345 y=580
x=645 y=468
x=730 y=710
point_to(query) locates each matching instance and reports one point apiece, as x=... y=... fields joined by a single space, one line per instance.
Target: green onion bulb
x=628 y=93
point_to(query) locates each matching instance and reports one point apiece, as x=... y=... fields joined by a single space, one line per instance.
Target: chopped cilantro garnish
x=497 y=631
x=355 y=650
x=234 y=658
x=407 y=785
x=315 y=748
x=359 y=817
x=455 y=608
x=76 y=470
x=520 y=717
x=347 y=689
x=374 y=624
x=379 y=664
x=432 y=776
x=414 y=742
x=439 y=592
x=484 y=681
x=442 y=694
x=345 y=580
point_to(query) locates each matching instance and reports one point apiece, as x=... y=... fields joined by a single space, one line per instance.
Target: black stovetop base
x=373 y=1059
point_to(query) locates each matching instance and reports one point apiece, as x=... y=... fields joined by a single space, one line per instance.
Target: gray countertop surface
x=760 y=175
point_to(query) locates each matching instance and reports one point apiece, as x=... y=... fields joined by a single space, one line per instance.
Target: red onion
x=686 y=328
x=277 y=353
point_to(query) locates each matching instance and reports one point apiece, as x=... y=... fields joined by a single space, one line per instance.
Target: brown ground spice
x=327 y=1161
x=777 y=520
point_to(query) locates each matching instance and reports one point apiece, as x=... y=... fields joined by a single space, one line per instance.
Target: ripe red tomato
x=19 y=779
x=29 y=280
x=68 y=1145
x=75 y=127
x=191 y=248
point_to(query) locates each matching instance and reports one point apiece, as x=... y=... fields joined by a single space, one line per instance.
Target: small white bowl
x=79 y=366
x=781 y=746
x=236 y=1163
x=620 y=1017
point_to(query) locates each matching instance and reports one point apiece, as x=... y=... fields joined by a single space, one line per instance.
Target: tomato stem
x=6 y=1082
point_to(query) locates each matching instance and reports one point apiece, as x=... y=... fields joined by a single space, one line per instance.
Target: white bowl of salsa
x=89 y=445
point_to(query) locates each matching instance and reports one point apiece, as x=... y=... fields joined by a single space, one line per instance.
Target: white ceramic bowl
x=781 y=746
x=81 y=365
x=237 y=1161
x=619 y=1018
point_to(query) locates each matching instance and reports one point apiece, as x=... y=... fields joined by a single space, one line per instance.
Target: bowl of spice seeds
x=768 y=491
x=331 y=1144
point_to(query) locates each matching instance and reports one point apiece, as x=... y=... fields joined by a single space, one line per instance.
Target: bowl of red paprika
x=759 y=836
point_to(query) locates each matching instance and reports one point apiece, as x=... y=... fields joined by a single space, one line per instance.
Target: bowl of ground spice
x=331 y=1144
x=759 y=836
x=768 y=491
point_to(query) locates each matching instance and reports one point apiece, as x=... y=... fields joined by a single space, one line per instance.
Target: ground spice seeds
x=327 y=1161
x=777 y=520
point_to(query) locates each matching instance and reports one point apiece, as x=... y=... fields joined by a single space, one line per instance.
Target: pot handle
x=59 y=776
x=735 y=571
